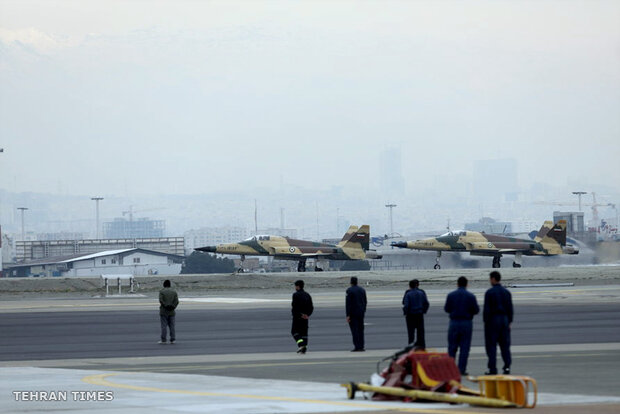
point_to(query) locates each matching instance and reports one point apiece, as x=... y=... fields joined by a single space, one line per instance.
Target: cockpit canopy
x=454 y=233
x=258 y=238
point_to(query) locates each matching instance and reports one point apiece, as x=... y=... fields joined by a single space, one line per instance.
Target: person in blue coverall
x=415 y=305
x=356 y=308
x=462 y=306
x=497 y=314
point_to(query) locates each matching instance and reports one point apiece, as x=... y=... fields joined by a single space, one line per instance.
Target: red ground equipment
x=420 y=370
x=417 y=375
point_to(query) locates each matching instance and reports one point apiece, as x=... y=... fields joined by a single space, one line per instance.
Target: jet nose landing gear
x=437 y=265
x=241 y=268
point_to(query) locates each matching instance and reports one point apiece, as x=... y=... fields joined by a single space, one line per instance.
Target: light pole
x=579 y=194
x=391 y=207
x=97 y=200
x=255 y=218
x=22 y=210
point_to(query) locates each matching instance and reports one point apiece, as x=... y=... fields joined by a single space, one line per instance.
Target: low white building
x=123 y=261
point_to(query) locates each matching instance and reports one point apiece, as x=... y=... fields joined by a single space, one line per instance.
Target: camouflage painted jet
x=353 y=246
x=550 y=241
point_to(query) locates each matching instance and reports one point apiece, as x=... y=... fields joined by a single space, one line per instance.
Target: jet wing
x=493 y=252
x=294 y=251
x=511 y=251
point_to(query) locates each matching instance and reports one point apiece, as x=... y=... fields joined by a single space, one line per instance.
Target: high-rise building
x=391 y=177
x=121 y=228
x=574 y=221
x=211 y=236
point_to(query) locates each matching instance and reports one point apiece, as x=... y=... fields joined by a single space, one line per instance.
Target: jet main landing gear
x=301 y=266
x=517 y=262
x=496 y=261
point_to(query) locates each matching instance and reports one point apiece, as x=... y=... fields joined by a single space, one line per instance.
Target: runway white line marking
x=232 y=300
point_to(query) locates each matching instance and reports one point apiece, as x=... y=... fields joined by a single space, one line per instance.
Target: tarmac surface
x=235 y=353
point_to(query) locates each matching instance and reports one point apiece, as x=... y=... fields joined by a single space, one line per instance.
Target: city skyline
x=420 y=212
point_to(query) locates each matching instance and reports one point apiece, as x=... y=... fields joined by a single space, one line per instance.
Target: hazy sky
x=109 y=97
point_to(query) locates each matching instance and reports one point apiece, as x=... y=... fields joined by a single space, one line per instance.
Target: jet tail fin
x=550 y=231
x=356 y=238
x=542 y=233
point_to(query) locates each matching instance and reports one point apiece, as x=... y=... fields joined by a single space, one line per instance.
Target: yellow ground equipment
x=412 y=395
x=514 y=388
x=417 y=375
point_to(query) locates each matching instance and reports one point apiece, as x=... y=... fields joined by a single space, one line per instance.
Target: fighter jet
x=353 y=246
x=550 y=241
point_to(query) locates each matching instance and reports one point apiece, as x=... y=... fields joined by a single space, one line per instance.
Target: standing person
x=355 y=305
x=168 y=302
x=415 y=305
x=462 y=306
x=497 y=316
x=302 y=309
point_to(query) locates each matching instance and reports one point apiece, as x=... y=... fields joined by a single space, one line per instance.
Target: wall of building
x=34 y=250
x=142 y=269
x=138 y=263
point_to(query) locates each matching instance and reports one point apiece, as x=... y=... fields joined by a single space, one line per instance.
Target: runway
x=135 y=332
x=566 y=338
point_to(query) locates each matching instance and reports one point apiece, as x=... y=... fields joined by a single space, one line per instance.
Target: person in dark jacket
x=302 y=308
x=168 y=302
x=462 y=306
x=355 y=309
x=415 y=305
x=497 y=315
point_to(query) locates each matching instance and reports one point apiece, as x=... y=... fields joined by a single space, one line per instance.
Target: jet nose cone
x=401 y=244
x=210 y=249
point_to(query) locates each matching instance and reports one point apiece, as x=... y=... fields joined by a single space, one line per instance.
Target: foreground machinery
x=422 y=376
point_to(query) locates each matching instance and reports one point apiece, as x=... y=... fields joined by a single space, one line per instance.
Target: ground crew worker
x=497 y=314
x=415 y=305
x=168 y=302
x=301 y=309
x=355 y=305
x=462 y=306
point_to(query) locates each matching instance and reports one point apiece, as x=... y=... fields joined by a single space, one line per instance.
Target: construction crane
x=131 y=211
x=594 y=206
